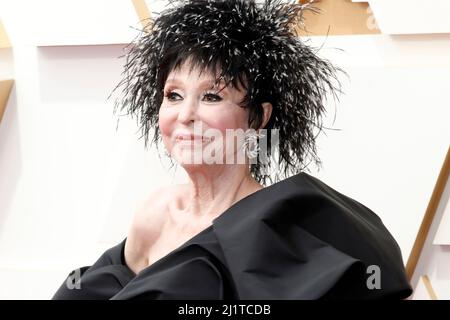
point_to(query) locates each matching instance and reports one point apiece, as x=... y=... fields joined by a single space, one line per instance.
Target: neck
x=213 y=189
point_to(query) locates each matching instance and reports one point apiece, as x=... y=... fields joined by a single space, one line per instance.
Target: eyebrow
x=204 y=82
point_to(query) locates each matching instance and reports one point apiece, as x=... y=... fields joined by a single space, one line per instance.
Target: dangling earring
x=250 y=145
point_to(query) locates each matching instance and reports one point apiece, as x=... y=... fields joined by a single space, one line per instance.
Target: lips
x=188 y=137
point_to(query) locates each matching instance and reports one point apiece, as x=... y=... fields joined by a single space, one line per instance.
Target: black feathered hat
x=255 y=44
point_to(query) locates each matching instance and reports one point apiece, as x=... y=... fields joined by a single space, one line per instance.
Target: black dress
x=296 y=239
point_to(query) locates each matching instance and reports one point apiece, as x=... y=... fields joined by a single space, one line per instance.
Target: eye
x=170 y=95
x=214 y=97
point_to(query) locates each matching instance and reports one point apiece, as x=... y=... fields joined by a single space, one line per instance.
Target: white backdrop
x=69 y=182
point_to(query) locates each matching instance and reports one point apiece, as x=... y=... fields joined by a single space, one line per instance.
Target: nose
x=188 y=111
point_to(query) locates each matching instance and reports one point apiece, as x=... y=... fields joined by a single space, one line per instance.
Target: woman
x=203 y=70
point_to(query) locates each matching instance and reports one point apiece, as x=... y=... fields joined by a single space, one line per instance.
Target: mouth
x=191 y=138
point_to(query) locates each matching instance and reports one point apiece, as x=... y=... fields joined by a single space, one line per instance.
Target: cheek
x=231 y=117
x=166 y=122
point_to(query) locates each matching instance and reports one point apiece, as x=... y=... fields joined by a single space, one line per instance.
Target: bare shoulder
x=147 y=222
x=151 y=212
x=160 y=198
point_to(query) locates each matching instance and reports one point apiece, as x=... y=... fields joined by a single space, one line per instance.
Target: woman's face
x=194 y=119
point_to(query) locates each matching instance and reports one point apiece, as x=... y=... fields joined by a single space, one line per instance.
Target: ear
x=267 y=106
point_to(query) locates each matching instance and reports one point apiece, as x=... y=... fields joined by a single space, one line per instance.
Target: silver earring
x=250 y=145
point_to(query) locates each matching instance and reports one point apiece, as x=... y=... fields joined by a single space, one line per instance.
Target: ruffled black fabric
x=296 y=239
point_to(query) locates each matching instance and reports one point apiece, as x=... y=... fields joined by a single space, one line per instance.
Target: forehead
x=186 y=75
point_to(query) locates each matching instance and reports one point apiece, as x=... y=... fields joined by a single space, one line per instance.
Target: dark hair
x=246 y=44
